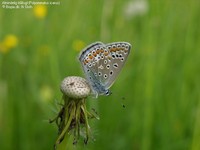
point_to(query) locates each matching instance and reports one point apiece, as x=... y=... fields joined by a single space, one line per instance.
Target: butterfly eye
x=107 y=92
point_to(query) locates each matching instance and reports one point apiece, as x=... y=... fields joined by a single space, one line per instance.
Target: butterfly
x=102 y=64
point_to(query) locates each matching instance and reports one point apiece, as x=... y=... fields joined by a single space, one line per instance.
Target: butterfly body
x=102 y=63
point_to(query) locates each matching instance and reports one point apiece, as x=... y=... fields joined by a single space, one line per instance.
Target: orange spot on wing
x=90 y=56
x=101 y=50
x=94 y=54
x=85 y=61
x=113 y=49
x=98 y=51
x=118 y=49
x=105 y=53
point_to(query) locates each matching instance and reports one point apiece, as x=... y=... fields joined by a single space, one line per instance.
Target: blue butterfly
x=102 y=64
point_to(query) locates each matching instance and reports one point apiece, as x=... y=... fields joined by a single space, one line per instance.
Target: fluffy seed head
x=75 y=87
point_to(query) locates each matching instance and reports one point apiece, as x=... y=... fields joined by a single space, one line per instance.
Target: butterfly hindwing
x=90 y=59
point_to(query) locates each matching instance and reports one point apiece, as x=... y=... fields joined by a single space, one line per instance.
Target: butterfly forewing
x=119 y=52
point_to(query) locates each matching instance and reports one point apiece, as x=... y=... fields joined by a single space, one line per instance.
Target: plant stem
x=66 y=127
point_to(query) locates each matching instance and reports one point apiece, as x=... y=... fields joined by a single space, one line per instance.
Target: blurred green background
x=160 y=82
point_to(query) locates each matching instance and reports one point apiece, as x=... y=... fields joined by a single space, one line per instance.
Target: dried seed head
x=75 y=87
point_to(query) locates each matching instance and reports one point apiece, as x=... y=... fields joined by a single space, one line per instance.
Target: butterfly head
x=107 y=92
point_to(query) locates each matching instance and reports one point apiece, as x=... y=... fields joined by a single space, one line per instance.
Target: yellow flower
x=40 y=11
x=10 y=41
x=78 y=45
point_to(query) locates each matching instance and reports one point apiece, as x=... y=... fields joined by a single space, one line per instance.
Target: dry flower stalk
x=73 y=114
